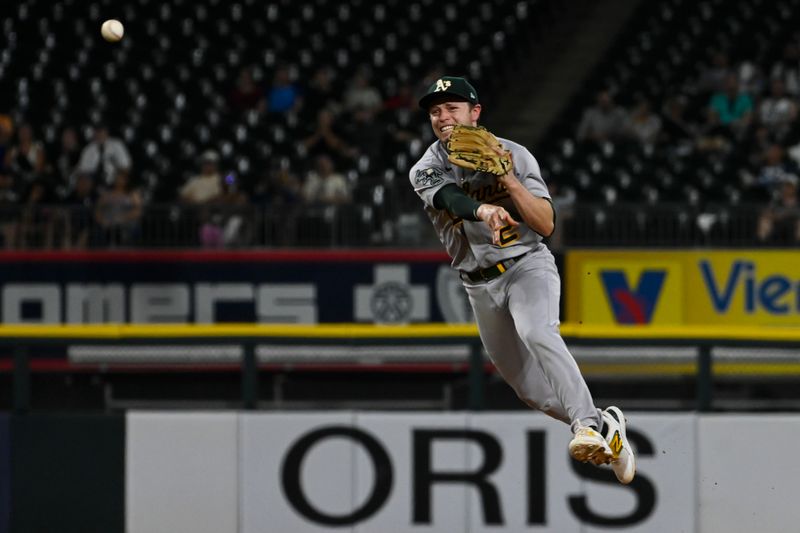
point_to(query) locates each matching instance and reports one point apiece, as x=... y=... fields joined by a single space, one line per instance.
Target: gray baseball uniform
x=517 y=311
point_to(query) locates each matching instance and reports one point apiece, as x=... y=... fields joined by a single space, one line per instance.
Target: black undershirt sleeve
x=456 y=202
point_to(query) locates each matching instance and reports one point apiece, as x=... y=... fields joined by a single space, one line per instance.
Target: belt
x=494 y=271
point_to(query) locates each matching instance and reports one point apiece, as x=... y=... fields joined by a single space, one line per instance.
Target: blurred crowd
x=84 y=191
x=738 y=118
x=80 y=194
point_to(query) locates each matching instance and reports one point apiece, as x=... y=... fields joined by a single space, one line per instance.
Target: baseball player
x=490 y=207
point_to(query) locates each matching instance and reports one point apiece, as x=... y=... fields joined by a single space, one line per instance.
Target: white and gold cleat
x=589 y=446
x=623 y=462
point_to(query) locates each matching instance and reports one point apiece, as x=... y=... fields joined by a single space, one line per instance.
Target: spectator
x=246 y=94
x=119 y=212
x=644 y=126
x=278 y=187
x=200 y=191
x=777 y=112
x=320 y=93
x=751 y=78
x=26 y=157
x=793 y=153
x=787 y=69
x=104 y=157
x=780 y=222
x=732 y=107
x=6 y=132
x=227 y=224
x=282 y=96
x=676 y=129
x=361 y=95
x=759 y=142
x=279 y=195
x=231 y=193
x=712 y=80
x=604 y=121
x=36 y=217
x=398 y=110
x=328 y=139
x=367 y=133
x=403 y=98
x=776 y=170
x=67 y=159
x=206 y=186
x=80 y=206
x=325 y=186
x=713 y=136
x=9 y=209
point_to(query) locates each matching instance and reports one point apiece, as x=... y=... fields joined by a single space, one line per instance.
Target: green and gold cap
x=449 y=88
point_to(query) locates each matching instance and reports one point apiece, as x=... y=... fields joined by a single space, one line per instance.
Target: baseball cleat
x=623 y=462
x=589 y=446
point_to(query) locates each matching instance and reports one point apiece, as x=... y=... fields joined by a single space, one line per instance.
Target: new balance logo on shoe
x=616 y=444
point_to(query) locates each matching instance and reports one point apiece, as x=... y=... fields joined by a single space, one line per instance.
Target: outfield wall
x=220 y=472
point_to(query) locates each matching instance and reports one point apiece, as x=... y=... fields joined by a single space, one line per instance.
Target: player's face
x=447 y=114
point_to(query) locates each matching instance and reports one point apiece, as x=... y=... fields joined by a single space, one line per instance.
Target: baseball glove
x=475 y=148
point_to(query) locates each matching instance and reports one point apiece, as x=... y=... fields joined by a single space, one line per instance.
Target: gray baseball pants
x=518 y=318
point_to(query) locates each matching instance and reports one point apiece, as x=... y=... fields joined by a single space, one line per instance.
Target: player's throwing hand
x=496 y=218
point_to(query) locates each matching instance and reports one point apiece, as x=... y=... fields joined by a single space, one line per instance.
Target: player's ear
x=475 y=113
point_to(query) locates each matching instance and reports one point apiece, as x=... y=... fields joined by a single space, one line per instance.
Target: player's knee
x=547 y=406
x=527 y=401
x=542 y=340
x=528 y=398
x=557 y=414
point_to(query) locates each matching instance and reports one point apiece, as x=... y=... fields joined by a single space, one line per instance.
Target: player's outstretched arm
x=458 y=204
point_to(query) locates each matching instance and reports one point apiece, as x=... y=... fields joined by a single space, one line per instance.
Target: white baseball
x=112 y=30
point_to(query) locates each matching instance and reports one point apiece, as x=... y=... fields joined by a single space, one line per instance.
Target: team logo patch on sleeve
x=428 y=177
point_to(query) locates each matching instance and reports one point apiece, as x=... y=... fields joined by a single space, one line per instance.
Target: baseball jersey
x=469 y=243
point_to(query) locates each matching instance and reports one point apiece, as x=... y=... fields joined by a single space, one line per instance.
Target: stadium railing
x=703 y=354
x=358 y=225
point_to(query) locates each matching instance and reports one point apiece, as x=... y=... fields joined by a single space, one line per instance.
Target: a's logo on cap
x=442 y=85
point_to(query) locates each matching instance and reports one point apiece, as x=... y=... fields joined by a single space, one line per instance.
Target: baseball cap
x=449 y=87
x=209 y=155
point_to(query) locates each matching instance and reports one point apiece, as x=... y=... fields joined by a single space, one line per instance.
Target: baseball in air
x=112 y=30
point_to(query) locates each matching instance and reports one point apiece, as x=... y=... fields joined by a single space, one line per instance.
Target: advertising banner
x=683 y=287
x=181 y=472
x=495 y=472
x=757 y=492
x=393 y=287
x=363 y=472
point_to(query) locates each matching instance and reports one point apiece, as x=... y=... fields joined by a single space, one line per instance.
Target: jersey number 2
x=508 y=235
